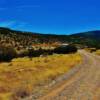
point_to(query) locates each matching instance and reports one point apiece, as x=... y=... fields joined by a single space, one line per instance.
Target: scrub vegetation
x=98 y=52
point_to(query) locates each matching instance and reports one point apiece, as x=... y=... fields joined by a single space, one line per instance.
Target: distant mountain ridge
x=89 y=34
x=90 y=38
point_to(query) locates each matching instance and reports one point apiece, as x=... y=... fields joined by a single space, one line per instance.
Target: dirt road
x=83 y=85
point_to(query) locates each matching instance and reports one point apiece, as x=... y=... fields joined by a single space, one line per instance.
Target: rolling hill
x=89 y=34
x=90 y=38
x=23 y=39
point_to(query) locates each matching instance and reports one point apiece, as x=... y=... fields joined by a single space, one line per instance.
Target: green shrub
x=7 y=53
x=65 y=49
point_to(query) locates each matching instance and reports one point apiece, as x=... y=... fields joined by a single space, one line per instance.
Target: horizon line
x=21 y=30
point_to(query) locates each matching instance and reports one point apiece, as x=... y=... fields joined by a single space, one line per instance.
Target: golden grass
x=89 y=49
x=97 y=52
x=21 y=75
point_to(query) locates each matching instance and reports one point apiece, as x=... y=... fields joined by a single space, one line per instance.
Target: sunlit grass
x=97 y=52
x=19 y=77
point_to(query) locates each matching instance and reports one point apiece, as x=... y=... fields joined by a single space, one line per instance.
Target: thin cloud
x=2 y=8
x=7 y=24
x=19 y=25
x=28 y=6
x=16 y=25
x=19 y=7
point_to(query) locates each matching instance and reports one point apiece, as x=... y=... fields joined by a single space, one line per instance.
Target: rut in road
x=84 y=85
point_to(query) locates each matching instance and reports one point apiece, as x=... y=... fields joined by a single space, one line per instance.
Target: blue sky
x=50 y=16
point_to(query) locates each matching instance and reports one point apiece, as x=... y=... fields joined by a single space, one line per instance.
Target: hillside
x=90 y=38
x=89 y=34
x=33 y=76
x=22 y=40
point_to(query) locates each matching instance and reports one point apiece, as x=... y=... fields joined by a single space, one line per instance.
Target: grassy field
x=19 y=77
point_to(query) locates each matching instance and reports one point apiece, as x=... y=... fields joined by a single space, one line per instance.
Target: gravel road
x=83 y=85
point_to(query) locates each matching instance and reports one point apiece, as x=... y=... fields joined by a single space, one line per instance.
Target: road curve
x=83 y=85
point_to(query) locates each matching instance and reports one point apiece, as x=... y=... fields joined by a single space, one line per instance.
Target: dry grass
x=19 y=77
x=90 y=49
x=97 y=52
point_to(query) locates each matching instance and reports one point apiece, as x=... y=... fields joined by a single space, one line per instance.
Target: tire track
x=84 y=85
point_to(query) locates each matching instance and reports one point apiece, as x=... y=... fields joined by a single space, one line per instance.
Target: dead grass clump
x=21 y=94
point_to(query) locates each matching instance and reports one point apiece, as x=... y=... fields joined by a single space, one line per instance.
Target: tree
x=7 y=53
x=65 y=49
